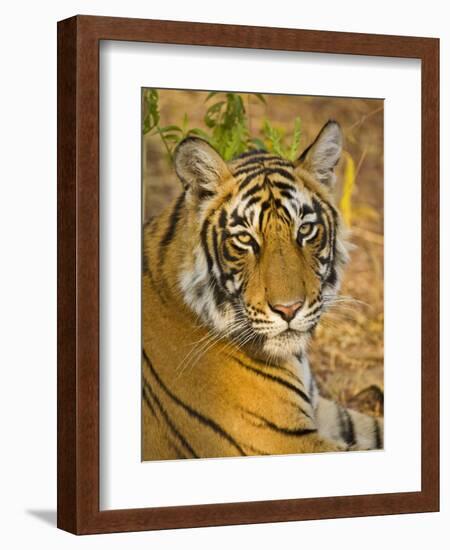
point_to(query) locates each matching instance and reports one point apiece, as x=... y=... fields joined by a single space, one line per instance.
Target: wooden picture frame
x=78 y=274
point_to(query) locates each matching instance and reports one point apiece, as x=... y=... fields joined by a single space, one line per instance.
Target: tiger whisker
x=189 y=359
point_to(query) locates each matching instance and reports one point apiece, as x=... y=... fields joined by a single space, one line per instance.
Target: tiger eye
x=305 y=229
x=244 y=238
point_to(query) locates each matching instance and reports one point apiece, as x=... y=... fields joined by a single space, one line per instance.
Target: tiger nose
x=287 y=312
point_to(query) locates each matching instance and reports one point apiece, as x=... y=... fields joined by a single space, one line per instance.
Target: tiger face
x=264 y=246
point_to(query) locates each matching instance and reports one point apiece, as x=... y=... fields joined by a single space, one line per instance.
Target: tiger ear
x=199 y=166
x=323 y=154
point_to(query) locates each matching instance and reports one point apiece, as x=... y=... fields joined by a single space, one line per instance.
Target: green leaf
x=274 y=138
x=210 y=95
x=185 y=124
x=151 y=109
x=236 y=142
x=259 y=143
x=293 y=151
x=146 y=125
x=173 y=137
x=213 y=113
x=261 y=98
x=215 y=107
x=171 y=128
x=199 y=132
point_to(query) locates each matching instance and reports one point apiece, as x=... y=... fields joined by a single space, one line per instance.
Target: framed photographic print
x=247 y=274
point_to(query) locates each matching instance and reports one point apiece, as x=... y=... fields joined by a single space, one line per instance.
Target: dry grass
x=347 y=349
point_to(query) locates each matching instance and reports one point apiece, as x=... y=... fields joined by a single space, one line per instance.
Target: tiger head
x=263 y=242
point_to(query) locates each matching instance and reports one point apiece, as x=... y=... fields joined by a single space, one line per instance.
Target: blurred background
x=346 y=351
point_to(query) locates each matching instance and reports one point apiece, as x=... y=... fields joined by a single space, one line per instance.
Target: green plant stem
x=169 y=152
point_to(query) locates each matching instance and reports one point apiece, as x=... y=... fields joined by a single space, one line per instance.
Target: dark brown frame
x=78 y=273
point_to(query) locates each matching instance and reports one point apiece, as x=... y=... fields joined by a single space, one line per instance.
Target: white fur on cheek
x=196 y=285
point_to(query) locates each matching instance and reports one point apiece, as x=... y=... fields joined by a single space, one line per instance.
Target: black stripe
x=313 y=311
x=280 y=368
x=151 y=278
x=264 y=206
x=204 y=239
x=223 y=218
x=193 y=413
x=333 y=224
x=146 y=398
x=330 y=230
x=227 y=255
x=177 y=449
x=250 y=153
x=332 y=277
x=280 y=172
x=145 y=266
x=267 y=172
x=215 y=239
x=256 y=163
x=150 y=226
x=252 y=201
x=306 y=209
x=172 y=226
x=237 y=219
x=273 y=378
x=264 y=157
x=280 y=206
x=164 y=414
x=255 y=451
x=316 y=299
x=281 y=429
x=320 y=213
x=220 y=296
x=289 y=195
x=284 y=186
x=347 y=431
x=250 y=178
x=250 y=192
x=247 y=170
x=377 y=435
x=203 y=194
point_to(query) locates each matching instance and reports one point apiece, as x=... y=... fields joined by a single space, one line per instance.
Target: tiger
x=237 y=272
